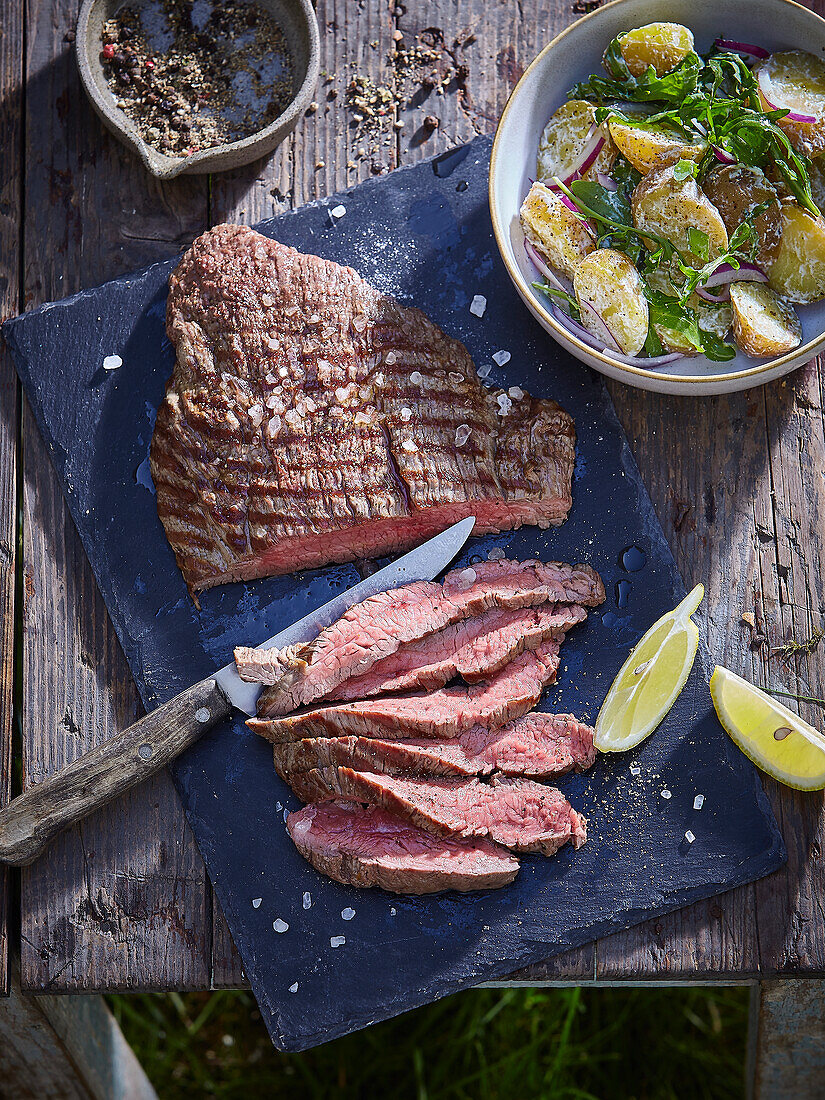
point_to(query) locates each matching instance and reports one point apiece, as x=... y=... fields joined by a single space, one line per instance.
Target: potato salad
x=676 y=205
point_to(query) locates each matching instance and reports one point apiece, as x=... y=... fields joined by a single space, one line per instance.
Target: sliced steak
x=312 y=419
x=367 y=846
x=378 y=627
x=446 y=712
x=473 y=649
x=518 y=813
x=538 y=746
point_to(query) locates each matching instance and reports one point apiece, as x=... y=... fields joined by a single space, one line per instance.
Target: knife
x=32 y=819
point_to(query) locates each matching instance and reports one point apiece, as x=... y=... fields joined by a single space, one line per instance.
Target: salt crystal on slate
x=689 y=837
x=338 y=211
x=337 y=941
x=478 y=305
x=393 y=911
x=635 y=770
x=347 y=914
x=280 y=925
x=112 y=362
x=666 y=793
x=484 y=370
x=496 y=554
x=293 y=988
x=256 y=903
x=502 y=357
x=307 y=900
x=698 y=802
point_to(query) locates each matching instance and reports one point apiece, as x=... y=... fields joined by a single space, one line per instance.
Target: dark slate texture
x=427 y=239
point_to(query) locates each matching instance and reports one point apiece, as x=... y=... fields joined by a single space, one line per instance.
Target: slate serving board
x=424 y=235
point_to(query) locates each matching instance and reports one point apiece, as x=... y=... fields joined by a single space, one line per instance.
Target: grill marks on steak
x=472 y=649
x=367 y=846
x=537 y=746
x=292 y=430
x=445 y=713
x=518 y=813
x=379 y=626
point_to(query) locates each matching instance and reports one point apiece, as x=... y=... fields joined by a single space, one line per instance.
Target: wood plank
x=123 y=900
x=11 y=123
x=786 y=1040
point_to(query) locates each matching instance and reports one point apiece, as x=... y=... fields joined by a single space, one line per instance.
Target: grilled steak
x=518 y=813
x=312 y=419
x=473 y=649
x=447 y=712
x=377 y=627
x=367 y=846
x=537 y=746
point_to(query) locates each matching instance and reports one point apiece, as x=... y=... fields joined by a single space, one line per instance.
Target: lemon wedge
x=649 y=681
x=776 y=739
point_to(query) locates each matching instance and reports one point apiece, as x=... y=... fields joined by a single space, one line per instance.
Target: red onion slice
x=593 y=145
x=723 y=155
x=726 y=274
x=607 y=182
x=575 y=328
x=537 y=259
x=588 y=338
x=742 y=47
x=638 y=361
x=766 y=88
x=602 y=333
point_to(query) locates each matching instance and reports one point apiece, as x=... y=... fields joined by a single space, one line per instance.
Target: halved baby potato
x=712 y=318
x=662 y=45
x=798 y=270
x=763 y=324
x=643 y=148
x=797 y=81
x=564 y=139
x=559 y=234
x=669 y=207
x=610 y=295
x=736 y=190
x=816 y=174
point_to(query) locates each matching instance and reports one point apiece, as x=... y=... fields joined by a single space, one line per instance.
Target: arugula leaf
x=607 y=204
x=684 y=169
x=554 y=292
x=670 y=88
x=673 y=314
x=699 y=242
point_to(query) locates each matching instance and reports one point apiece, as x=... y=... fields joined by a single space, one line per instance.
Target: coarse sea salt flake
x=274 y=424
x=390 y=357
x=698 y=802
x=307 y=899
x=502 y=357
x=504 y=404
x=347 y=914
x=467 y=577
x=293 y=988
x=272 y=343
x=478 y=305
x=280 y=925
x=406 y=414
x=256 y=903
x=409 y=446
x=666 y=794
x=635 y=770
x=337 y=941
x=112 y=362
x=496 y=554
x=266 y=300
x=416 y=378
x=516 y=392
x=689 y=837
x=338 y=211
x=484 y=370
x=462 y=434
x=393 y=911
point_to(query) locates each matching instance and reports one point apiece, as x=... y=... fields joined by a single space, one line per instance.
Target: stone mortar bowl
x=296 y=19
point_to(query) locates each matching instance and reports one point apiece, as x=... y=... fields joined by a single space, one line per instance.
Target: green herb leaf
x=673 y=314
x=647 y=88
x=554 y=293
x=699 y=242
x=684 y=169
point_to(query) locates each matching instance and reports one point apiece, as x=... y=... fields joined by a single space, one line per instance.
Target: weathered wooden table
x=123 y=902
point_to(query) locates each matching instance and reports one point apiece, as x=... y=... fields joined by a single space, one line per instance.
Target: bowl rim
x=797 y=356
x=209 y=160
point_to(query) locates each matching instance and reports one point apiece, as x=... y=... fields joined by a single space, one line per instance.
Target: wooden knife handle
x=32 y=819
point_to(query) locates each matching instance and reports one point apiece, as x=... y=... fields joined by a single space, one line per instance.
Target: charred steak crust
x=447 y=712
x=517 y=813
x=379 y=626
x=312 y=419
x=536 y=746
x=367 y=846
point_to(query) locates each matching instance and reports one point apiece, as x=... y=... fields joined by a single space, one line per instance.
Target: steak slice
x=312 y=419
x=446 y=712
x=473 y=649
x=518 y=813
x=537 y=746
x=367 y=846
x=377 y=627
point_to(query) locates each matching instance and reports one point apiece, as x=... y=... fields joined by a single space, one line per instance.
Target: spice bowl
x=299 y=28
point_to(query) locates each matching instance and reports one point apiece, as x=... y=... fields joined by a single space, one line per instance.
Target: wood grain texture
x=740 y=498
x=119 y=764
x=11 y=128
x=123 y=900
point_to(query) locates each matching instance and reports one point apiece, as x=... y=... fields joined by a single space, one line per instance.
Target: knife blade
x=32 y=819
x=422 y=564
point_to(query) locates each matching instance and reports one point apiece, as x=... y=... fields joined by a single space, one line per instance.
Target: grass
x=485 y=1044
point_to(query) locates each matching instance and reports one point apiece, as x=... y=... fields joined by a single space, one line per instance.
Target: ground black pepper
x=193 y=74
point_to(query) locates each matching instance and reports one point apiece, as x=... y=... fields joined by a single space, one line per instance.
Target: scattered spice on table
x=194 y=74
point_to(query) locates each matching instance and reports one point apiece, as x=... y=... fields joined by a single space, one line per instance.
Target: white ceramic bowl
x=572 y=56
